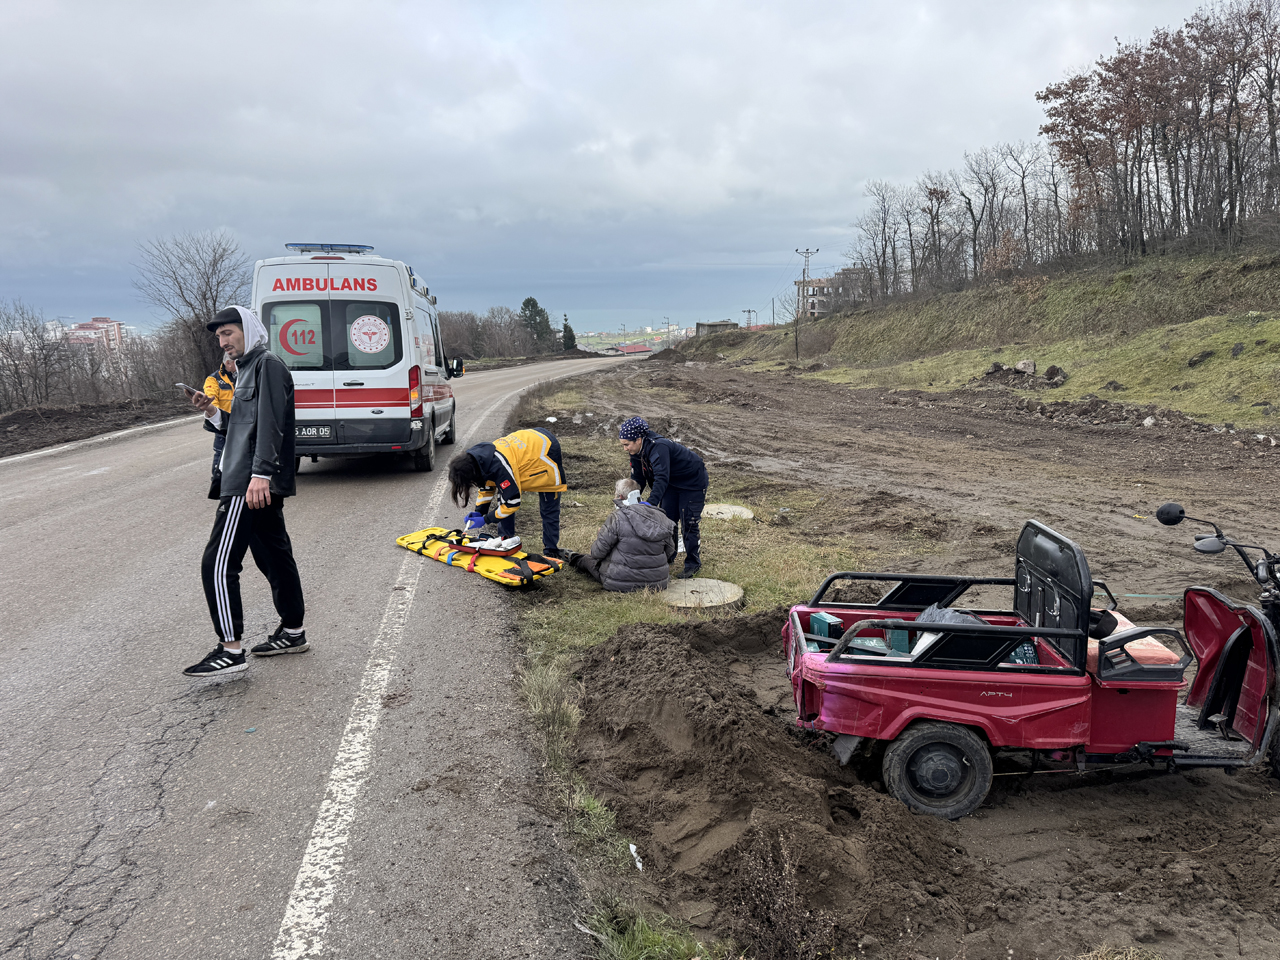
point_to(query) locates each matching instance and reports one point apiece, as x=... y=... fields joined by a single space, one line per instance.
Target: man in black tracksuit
x=257 y=474
x=677 y=481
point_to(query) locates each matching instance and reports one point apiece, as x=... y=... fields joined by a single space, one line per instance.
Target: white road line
x=76 y=444
x=306 y=917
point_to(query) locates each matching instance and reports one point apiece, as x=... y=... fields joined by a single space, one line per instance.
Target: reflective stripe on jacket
x=519 y=462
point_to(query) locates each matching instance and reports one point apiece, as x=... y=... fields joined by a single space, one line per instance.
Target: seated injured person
x=635 y=547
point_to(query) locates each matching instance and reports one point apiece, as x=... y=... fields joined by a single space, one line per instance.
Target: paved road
x=366 y=799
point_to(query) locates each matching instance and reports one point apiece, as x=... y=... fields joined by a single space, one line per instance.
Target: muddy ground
x=689 y=731
x=36 y=427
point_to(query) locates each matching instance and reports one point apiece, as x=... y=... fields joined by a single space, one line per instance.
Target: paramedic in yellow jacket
x=220 y=385
x=527 y=461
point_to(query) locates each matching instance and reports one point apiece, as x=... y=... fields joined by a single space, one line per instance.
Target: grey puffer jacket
x=635 y=547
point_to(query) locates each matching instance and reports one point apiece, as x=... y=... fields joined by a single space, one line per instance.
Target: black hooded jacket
x=663 y=463
x=260 y=435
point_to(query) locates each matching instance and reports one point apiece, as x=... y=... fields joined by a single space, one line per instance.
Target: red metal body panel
x=1123 y=714
x=1035 y=711
x=1041 y=711
x=1208 y=624
x=1210 y=621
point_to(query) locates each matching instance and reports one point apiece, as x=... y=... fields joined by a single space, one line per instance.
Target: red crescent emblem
x=284 y=333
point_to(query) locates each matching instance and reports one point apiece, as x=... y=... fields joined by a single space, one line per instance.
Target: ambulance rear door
x=293 y=304
x=370 y=352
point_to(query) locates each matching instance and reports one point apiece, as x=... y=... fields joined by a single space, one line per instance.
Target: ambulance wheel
x=424 y=458
x=941 y=769
x=297 y=465
x=450 y=435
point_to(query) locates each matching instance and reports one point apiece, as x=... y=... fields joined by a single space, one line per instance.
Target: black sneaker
x=555 y=553
x=281 y=642
x=689 y=572
x=219 y=661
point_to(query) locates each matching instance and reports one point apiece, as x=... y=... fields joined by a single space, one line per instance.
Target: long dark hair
x=464 y=473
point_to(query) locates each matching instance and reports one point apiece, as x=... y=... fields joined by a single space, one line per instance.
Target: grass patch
x=1239 y=382
x=1098 y=302
x=627 y=934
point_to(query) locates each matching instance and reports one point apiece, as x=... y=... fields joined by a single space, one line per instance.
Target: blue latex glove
x=473 y=521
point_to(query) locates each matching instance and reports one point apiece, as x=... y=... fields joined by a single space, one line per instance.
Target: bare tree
x=190 y=277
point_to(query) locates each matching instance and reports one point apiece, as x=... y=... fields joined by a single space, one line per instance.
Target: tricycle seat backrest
x=1052 y=584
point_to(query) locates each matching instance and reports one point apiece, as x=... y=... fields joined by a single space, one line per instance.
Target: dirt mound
x=1096 y=411
x=669 y=355
x=36 y=427
x=689 y=736
x=575 y=353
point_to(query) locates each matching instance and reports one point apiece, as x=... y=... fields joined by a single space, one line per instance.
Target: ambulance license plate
x=316 y=432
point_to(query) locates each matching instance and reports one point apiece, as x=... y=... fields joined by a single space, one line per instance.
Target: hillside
x=1131 y=332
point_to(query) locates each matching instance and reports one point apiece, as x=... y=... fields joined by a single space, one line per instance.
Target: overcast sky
x=621 y=163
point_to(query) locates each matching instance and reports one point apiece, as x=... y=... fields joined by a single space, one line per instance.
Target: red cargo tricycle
x=934 y=693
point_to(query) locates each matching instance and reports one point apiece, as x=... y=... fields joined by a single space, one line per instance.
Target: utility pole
x=749 y=312
x=804 y=292
x=773 y=312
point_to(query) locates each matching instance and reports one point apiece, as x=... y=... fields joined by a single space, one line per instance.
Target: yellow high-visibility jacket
x=527 y=460
x=220 y=387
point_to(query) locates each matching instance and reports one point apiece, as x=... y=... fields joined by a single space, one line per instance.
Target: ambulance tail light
x=415 y=391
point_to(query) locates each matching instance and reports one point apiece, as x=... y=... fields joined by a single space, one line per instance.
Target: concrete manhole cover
x=704 y=594
x=726 y=511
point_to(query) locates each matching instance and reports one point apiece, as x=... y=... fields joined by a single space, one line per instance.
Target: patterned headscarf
x=633 y=429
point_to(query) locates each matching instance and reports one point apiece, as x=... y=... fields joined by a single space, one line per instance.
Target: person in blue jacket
x=677 y=482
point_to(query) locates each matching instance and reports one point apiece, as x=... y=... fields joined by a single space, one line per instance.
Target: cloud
x=602 y=151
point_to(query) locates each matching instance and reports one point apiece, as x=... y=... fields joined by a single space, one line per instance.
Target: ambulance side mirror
x=456 y=367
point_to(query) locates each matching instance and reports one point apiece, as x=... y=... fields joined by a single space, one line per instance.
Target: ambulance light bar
x=329 y=247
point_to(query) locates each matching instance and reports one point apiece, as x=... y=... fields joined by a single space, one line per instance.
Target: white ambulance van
x=361 y=335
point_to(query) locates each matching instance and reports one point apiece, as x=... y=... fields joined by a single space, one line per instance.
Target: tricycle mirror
x=1262 y=572
x=1210 y=545
x=1171 y=514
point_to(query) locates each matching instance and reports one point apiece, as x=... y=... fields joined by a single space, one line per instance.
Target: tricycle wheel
x=941 y=769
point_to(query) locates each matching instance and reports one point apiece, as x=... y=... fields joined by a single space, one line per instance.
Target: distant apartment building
x=108 y=334
x=820 y=296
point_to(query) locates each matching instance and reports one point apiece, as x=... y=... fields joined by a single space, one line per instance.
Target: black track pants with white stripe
x=235 y=529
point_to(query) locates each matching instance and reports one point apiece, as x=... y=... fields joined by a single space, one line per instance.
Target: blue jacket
x=663 y=463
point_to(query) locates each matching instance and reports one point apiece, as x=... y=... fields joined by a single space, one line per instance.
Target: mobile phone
x=191 y=391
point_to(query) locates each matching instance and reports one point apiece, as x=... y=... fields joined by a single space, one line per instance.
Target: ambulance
x=361 y=335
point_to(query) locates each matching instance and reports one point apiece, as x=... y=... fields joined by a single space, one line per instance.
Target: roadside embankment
x=35 y=427
x=677 y=734
x=1138 y=328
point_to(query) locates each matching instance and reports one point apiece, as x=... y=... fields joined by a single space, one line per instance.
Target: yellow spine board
x=516 y=570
